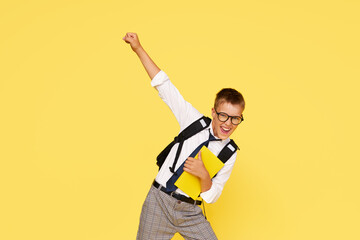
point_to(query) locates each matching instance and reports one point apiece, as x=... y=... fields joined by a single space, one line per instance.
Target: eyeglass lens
x=224 y=117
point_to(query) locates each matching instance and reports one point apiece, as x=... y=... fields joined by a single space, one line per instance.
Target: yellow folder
x=190 y=184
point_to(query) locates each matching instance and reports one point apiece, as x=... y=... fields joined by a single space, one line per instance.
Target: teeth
x=226 y=129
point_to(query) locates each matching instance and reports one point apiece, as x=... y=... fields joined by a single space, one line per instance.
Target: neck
x=213 y=130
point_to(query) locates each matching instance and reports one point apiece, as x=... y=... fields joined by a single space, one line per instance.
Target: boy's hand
x=133 y=39
x=195 y=166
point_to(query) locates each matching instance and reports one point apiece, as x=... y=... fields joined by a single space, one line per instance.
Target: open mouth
x=225 y=130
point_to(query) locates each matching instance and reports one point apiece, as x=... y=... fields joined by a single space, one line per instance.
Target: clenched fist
x=133 y=40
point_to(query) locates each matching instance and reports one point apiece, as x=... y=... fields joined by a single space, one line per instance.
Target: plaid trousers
x=162 y=216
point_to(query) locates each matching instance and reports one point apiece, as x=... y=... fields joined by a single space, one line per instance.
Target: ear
x=213 y=113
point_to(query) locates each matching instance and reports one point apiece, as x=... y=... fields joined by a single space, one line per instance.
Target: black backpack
x=194 y=128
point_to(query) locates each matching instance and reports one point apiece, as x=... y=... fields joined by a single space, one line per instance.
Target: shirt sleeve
x=184 y=112
x=218 y=182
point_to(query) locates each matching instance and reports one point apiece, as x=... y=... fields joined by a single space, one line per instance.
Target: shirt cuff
x=208 y=196
x=159 y=78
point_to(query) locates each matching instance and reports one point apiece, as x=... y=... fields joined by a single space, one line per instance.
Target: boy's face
x=223 y=130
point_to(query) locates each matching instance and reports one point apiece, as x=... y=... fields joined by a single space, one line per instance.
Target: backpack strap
x=228 y=150
x=194 y=128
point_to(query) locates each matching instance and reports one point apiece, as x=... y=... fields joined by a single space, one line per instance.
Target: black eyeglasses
x=223 y=117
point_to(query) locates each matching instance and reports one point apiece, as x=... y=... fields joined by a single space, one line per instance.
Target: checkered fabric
x=162 y=216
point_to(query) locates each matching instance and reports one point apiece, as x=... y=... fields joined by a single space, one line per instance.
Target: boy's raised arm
x=184 y=112
x=150 y=66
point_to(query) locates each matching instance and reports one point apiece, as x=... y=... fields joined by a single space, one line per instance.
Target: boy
x=167 y=209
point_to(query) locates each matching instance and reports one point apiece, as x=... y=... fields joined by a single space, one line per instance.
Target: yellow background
x=81 y=126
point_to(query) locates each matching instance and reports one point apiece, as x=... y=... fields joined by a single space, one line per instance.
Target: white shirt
x=185 y=114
